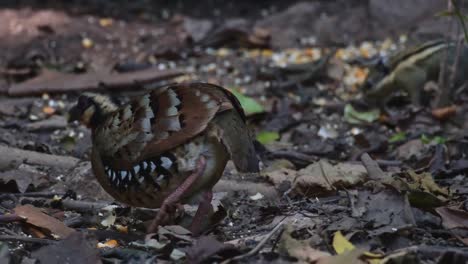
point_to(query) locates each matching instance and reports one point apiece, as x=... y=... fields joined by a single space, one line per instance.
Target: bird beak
x=73 y=114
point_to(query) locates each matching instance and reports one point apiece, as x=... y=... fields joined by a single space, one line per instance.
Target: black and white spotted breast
x=155 y=171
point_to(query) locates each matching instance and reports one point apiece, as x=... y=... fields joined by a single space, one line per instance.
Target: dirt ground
x=339 y=183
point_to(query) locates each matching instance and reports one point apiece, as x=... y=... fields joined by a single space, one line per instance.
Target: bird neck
x=101 y=110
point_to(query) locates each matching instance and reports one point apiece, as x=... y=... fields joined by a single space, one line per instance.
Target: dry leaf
x=37 y=218
x=444 y=113
x=108 y=244
x=453 y=217
x=299 y=249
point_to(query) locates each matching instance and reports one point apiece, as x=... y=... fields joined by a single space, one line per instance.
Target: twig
x=34 y=194
x=53 y=82
x=259 y=246
x=81 y=206
x=11 y=157
x=27 y=240
x=8 y=218
x=433 y=251
x=293 y=156
x=387 y=163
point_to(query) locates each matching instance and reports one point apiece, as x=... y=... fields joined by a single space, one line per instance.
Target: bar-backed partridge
x=169 y=146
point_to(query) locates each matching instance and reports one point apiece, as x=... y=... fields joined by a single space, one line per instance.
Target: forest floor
x=339 y=184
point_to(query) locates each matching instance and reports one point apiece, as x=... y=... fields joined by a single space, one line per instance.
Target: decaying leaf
x=423 y=191
x=319 y=178
x=22 y=181
x=299 y=249
x=49 y=224
x=323 y=177
x=206 y=247
x=386 y=211
x=453 y=217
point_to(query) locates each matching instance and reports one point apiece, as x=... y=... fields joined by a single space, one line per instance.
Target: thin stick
x=259 y=246
x=34 y=194
x=27 y=240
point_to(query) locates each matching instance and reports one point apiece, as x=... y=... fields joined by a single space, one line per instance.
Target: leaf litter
x=341 y=183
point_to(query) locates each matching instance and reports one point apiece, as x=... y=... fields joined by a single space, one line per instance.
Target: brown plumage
x=168 y=146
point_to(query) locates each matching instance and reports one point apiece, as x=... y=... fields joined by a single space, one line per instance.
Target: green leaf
x=266 y=137
x=249 y=104
x=436 y=140
x=354 y=117
x=439 y=140
x=400 y=136
x=425 y=139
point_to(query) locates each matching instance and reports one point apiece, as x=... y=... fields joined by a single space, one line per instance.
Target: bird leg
x=203 y=210
x=168 y=203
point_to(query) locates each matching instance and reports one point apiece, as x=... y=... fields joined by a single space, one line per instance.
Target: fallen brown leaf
x=453 y=217
x=37 y=218
x=323 y=177
x=444 y=113
x=299 y=249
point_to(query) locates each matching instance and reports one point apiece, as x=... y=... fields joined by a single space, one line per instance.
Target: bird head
x=91 y=109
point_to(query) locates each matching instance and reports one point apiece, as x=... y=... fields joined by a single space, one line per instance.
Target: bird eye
x=382 y=66
x=82 y=102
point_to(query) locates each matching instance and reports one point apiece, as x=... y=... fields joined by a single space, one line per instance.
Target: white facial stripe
x=144 y=165
x=166 y=162
x=141 y=179
x=204 y=98
x=211 y=104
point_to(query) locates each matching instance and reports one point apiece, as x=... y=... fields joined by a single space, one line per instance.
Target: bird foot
x=203 y=211
x=168 y=206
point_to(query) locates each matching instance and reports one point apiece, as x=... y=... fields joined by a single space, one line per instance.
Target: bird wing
x=160 y=121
